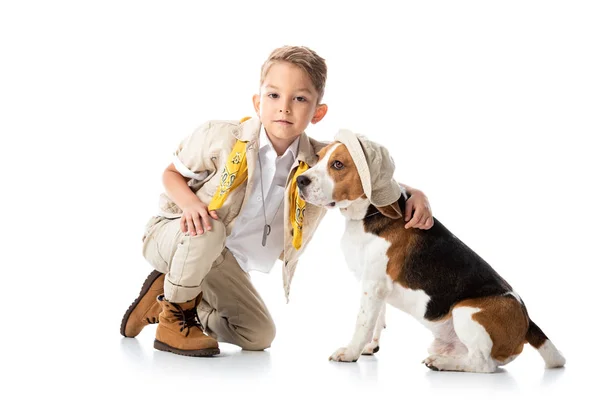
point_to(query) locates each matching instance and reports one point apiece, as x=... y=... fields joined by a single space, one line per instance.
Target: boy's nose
x=286 y=111
x=302 y=181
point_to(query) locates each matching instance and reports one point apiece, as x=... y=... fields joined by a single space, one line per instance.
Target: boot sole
x=158 y=345
x=154 y=275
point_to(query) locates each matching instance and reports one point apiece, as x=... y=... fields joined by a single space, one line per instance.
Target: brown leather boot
x=145 y=309
x=179 y=330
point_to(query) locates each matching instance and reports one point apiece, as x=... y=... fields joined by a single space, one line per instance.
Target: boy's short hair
x=304 y=58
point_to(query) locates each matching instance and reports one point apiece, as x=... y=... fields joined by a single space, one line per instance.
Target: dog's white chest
x=366 y=256
x=365 y=253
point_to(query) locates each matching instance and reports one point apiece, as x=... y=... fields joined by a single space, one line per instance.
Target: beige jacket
x=205 y=154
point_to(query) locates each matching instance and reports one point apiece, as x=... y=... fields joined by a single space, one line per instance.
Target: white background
x=491 y=108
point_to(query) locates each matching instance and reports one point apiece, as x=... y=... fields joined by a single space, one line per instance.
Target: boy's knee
x=262 y=339
x=217 y=234
x=216 y=228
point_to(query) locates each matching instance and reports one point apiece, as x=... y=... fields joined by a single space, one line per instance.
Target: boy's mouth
x=284 y=122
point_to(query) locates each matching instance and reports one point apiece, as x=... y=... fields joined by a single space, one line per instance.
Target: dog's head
x=334 y=182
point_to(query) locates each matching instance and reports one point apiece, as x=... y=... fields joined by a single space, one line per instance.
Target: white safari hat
x=375 y=168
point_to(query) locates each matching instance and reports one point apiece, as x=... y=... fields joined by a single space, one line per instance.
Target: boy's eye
x=273 y=95
x=337 y=165
x=301 y=99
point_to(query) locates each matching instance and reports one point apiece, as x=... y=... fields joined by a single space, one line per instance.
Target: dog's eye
x=337 y=164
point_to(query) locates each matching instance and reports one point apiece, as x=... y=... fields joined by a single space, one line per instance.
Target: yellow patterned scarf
x=297 y=207
x=236 y=172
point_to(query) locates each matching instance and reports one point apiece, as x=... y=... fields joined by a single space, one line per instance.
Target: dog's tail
x=547 y=350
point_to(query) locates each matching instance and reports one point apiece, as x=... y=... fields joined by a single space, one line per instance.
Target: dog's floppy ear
x=391 y=211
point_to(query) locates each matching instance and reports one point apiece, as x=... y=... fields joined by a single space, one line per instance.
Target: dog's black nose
x=302 y=181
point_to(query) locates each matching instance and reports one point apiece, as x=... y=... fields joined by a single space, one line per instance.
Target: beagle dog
x=477 y=320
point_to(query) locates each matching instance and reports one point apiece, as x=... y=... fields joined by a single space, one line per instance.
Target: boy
x=221 y=216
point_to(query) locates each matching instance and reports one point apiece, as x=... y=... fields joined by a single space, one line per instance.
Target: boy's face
x=287 y=102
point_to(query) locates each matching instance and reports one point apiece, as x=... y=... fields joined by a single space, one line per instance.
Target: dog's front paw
x=344 y=354
x=371 y=348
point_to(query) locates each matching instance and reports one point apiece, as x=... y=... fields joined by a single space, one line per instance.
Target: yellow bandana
x=297 y=207
x=236 y=172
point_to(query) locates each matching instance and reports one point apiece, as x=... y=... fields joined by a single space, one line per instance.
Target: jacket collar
x=306 y=151
x=249 y=130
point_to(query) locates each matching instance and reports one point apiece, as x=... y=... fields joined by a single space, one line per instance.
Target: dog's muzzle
x=302 y=181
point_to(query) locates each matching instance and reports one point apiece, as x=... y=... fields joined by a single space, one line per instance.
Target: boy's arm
x=195 y=218
x=409 y=189
x=177 y=187
x=418 y=210
x=190 y=162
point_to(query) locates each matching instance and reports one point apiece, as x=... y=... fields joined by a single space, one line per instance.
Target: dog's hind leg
x=493 y=331
x=445 y=342
x=373 y=346
x=474 y=337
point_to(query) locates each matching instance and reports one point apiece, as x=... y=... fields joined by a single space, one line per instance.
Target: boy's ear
x=319 y=113
x=256 y=102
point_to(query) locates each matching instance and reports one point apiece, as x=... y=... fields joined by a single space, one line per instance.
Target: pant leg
x=231 y=310
x=185 y=259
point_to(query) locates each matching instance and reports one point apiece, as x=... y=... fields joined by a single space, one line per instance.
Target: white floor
x=74 y=350
x=305 y=370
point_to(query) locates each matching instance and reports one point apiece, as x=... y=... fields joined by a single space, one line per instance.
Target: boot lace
x=188 y=318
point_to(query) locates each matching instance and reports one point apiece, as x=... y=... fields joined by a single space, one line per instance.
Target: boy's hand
x=417 y=207
x=196 y=218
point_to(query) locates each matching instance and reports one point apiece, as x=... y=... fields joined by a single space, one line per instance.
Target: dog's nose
x=302 y=181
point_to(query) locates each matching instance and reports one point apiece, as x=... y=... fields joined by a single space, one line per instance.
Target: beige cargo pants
x=231 y=310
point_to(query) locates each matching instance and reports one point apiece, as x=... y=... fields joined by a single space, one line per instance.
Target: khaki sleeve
x=192 y=156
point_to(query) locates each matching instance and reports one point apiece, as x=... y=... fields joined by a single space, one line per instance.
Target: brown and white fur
x=477 y=320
